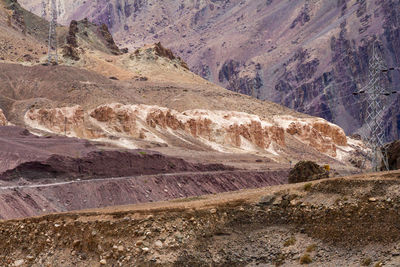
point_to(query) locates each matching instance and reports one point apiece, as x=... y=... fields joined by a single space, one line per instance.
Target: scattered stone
x=213 y=211
x=103 y=262
x=266 y=200
x=372 y=199
x=158 y=244
x=145 y=249
x=18 y=263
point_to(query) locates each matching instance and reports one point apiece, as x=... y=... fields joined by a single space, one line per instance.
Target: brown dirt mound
x=18 y=145
x=305 y=171
x=99 y=164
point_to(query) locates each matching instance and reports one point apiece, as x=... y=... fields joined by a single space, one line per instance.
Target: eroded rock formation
x=110 y=43
x=67 y=120
x=152 y=52
x=318 y=133
x=219 y=130
x=70 y=48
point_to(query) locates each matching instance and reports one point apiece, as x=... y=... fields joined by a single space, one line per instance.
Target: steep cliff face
x=225 y=131
x=309 y=55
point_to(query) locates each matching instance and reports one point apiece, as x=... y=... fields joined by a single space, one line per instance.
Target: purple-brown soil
x=32 y=200
x=27 y=156
x=99 y=164
x=18 y=145
x=43 y=174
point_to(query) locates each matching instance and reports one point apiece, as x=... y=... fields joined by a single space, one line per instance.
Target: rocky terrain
x=207 y=139
x=336 y=222
x=111 y=126
x=141 y=106
x=148 y=98
x=309 y=55
x=46 y=174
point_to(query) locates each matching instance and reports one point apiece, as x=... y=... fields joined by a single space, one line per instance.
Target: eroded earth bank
x=336 y=222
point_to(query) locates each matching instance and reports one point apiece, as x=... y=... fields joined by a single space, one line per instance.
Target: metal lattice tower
x=52 y=53
x=375 y=92
x=44 y=9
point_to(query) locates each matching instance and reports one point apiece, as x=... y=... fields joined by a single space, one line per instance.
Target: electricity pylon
x=44 y=8
x=375 y=92
x=52 y=52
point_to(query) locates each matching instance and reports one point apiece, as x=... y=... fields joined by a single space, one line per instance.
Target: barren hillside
x=309 y=55
x=147 y=98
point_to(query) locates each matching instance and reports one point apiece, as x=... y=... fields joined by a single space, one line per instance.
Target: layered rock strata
x=225 y=131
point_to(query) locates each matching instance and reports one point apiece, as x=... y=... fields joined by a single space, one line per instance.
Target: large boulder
x=305 y=171
x=393 y=150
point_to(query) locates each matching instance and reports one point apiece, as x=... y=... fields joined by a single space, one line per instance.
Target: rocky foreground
x=336 y=222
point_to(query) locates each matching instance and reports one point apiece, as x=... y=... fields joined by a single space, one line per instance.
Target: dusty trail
x=78 y=181
x=38 y=199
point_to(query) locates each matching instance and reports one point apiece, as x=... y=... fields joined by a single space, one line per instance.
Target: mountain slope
x=147 y=98
x=310 y=55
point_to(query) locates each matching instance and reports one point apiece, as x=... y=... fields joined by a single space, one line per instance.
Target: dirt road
x=35 y=199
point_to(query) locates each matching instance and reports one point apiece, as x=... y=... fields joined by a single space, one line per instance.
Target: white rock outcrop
x=225 y=131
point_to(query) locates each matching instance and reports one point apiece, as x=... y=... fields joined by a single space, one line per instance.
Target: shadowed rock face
x=394 y=155
x=69 y=49
x=309 y=55
x=109 y=39
x=98 y=164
